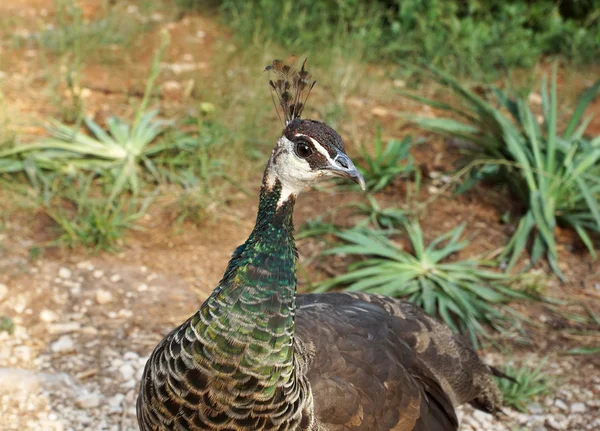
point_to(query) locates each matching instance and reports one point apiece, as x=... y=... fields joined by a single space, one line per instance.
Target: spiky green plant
x=388 y=162
x=529 y=383
x=556 y=175
x=83 y=217
x=384 y=218
x=121 y=150
x=466 y=294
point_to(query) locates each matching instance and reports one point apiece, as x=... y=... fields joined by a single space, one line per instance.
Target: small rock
x=535 y=409
x=63 y=328
x=561 y=404
x=63 y=345
x=578 y=408
x=115 y=403
x=48 y=316
x=103 y=297
x=3 y=291
x=115 y=278
x=64 y=273
x=98 y=273
x=379 y=111
x=88 y=401
x=127 y=371
x=142 y=287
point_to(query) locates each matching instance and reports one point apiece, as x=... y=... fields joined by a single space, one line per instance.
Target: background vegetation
x=187 y=140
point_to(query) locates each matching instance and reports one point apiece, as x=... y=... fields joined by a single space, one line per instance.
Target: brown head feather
x=292 y=88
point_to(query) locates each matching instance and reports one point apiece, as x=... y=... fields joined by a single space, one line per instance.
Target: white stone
x=115 y=278
x=127 y=371
x=142 y=287
x=561 y=404
x=98 y=273
x=103 y=297
x=64 y=273
x=578 y=408
x=48 y=316
x=88 y=401
x=63 y=345
x=63 y=328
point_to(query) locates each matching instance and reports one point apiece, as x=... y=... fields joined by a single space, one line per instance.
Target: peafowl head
x=307 y=150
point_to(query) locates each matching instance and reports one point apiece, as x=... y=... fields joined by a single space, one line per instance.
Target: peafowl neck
x=247 y=324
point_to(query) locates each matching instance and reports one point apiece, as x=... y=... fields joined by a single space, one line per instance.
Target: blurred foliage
x=463 y=37
x=464 y=293
x=526 y=385
x=554 y=174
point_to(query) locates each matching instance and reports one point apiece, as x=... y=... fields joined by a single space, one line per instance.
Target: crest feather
x=291 y=87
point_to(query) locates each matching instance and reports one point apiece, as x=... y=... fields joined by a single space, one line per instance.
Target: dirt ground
x=85 y=324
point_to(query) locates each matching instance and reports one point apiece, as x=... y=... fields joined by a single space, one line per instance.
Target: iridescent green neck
x=247 y=324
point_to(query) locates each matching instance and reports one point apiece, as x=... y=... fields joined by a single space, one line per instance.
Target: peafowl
x=256 y=356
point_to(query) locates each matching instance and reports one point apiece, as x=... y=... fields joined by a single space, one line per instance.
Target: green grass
x=70 y=33
x=83 y=218
x=530 y=384
x=7 y=325
x=465 y=38
x=120 y=151
x=388 y=163
x=388 y=218
x=466 y=294
x=556 y=175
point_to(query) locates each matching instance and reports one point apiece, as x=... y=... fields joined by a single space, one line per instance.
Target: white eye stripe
x=317 y=146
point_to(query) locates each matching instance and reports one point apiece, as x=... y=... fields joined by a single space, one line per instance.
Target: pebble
x=535 y=408
x=561 y=405
x=103 y=297
x=98 y=274
x=88 y=401
x=127 y=371
x=63 y=345
x=63 y=328
x=3 y=291
x=64 y=273
x=115 y=278
x=48 y=316
x=578 y=408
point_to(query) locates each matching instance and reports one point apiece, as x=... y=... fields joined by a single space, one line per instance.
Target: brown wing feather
x=363 y=376
x=378 y=364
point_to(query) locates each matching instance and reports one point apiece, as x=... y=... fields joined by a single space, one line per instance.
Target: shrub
x=463 y=293
x=556 y=175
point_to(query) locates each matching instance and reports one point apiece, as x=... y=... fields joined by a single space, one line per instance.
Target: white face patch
x=293 y=172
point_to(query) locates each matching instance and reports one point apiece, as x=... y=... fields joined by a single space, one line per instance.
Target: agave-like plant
x=466 y=294
x=387 y=163
x=527 y=383
x=556 y=175
x=120 y=150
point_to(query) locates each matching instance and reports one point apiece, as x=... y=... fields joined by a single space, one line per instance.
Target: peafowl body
x=257 y=357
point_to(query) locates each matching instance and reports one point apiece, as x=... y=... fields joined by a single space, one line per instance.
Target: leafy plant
x=316 y=227
x=528 y=383
x=388 y=163
x=464 y=38
x=83 y=216
x=464 y=293
x=120 y=150
x=556 y=175
x=384 y=218
x=7 y=325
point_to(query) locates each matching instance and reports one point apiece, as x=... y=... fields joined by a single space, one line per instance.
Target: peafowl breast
x=256 y=356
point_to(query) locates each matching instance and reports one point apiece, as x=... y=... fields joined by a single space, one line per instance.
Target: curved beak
x=344 y=167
